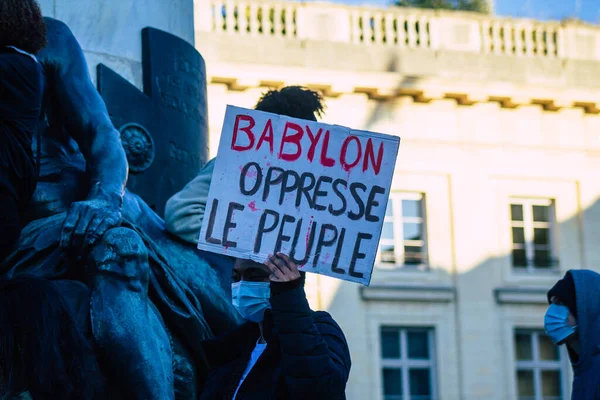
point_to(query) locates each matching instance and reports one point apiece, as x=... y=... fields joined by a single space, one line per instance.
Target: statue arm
x=81 y=110
x=84 y=114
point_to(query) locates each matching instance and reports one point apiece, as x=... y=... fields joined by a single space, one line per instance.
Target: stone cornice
x=508 y=295
x=421 y=90
x=424 y=293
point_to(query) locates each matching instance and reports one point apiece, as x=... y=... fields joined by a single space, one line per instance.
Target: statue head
x=22 y=25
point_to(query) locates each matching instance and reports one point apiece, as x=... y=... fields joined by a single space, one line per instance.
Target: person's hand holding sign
x=283 y=268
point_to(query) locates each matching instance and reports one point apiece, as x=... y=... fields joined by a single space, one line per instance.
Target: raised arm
x=314 y=352
x=78 y=107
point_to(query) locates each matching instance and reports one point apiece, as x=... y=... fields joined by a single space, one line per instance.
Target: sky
x=586 y=10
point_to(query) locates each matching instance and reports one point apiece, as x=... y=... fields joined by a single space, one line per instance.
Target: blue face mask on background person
x=251 y=299
x=556 y=323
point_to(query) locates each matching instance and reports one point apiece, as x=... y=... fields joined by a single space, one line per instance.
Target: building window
x=407 y=360
x=540 y=371
x=403 y=237
x=533 y=224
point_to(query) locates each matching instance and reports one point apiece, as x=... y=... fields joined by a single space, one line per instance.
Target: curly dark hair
x=22 y=25
x=293 y=101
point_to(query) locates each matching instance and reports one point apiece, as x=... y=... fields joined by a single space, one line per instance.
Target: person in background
x=284 y=350
x=573 y=319
x=184 y=211
x=22 y=34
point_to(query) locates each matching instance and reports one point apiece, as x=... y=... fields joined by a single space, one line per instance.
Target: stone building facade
x=495 y=193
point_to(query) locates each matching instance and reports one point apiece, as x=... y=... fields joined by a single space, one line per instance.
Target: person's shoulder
x=11 y=55
x=18 y=65
x=210 y=164
x=323 y=318
x=324 y=315
x=335 y=335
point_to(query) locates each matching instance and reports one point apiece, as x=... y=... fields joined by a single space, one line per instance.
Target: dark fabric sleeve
x=315 y=356
x=10 y=224
x=281 y=287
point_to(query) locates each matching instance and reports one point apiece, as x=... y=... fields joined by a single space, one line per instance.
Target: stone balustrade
x=401 y=28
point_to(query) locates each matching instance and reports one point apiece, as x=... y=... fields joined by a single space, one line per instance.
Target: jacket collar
x=228 y=347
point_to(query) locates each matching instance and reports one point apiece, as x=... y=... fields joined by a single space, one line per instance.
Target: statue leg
x=132 y=341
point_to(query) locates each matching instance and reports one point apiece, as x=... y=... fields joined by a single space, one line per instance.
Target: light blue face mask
x=251 y=299
x=556 y=323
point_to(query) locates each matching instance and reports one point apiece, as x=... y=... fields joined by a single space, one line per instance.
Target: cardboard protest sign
x=314 y=191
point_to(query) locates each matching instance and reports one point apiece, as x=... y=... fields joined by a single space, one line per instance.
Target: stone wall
x=109 y=31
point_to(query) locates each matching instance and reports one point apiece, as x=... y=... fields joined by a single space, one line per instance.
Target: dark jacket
x=21 y=89
x=586 y=382
x=306 y=357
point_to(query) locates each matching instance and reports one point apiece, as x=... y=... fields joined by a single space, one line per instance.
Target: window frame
x=397 y=219
x=536 y=365
x=528 y=225
x=405 y=363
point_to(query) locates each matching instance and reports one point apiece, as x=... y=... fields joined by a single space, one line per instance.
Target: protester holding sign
x=285 y=351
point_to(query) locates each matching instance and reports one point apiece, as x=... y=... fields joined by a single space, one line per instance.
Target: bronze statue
x=152 y=299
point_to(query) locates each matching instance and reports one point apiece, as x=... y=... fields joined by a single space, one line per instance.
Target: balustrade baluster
x=560 y=43
x=541 y=43
x=390 y=38
x=253 y=18
x=528 y=40
x=367 y=28
x=496 y=39
x=377 y=28
x=507 y=29
x=485 y=37
x=550 y=45
x=242 y=18
x=401 y=24
x=423 y=38
x=218 y=14
x=229 y=16
x=289 y=21
x=263 y=19
x=354 y=28
x=434 y=33
x=277 y=27
x=518 y=40
x=412 y=31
